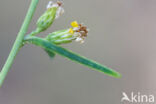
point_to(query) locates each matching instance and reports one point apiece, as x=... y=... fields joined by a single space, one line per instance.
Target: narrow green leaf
x=70 y=55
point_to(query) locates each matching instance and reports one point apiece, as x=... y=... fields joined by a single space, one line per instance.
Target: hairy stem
x=18 y=41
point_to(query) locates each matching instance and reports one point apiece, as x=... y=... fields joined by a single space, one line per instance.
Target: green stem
x=18 y=41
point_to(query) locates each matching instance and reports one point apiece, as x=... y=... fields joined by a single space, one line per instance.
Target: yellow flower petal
x=71 y=31
x=74 y=24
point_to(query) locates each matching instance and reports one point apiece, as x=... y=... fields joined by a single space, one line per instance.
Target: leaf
x=70 y=55
x=50 y=53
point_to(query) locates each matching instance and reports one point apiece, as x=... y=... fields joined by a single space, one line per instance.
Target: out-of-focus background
x=122 y=36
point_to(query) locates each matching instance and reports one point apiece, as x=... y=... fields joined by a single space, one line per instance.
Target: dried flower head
x=58 y=4
x=77 y=32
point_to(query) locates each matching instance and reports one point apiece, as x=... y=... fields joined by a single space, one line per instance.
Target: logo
x=137 y=98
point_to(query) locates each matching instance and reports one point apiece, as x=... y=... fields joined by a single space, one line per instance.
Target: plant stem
x=18 y=41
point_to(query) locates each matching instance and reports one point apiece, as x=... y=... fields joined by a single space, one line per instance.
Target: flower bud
x=54 y=10
x=77 y=32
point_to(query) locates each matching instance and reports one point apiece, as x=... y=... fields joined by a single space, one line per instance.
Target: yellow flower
x=74 y=24
x=71 y=31
x=77 y=32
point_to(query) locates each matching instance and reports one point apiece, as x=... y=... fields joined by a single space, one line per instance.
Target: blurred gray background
x=122 y=36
